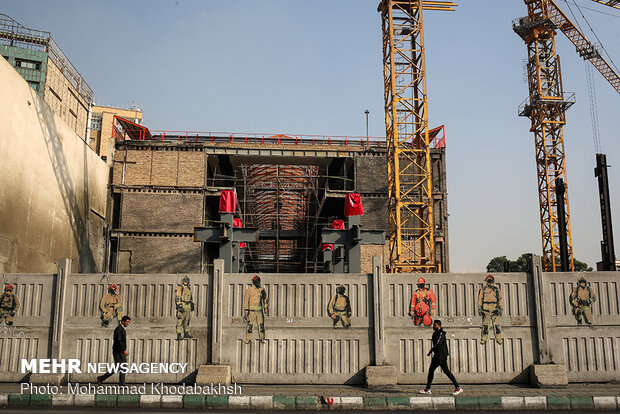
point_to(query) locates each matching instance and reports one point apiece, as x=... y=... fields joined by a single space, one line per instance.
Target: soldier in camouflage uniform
x=185 y=306
x=582 y=298
x=490 y=307
x=9 y=304
x=111 y=306
x=255 y=307
x=339 y=308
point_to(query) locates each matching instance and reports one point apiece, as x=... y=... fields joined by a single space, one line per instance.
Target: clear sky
x=313 y=67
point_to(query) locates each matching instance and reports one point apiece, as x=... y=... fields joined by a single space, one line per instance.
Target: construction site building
x=39 y=60
x=164 y=185
x=101 y=126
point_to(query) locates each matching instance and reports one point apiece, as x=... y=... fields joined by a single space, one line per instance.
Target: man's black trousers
x=118 y=359
x=443 y=363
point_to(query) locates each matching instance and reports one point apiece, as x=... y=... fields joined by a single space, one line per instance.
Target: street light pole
x=367 y=138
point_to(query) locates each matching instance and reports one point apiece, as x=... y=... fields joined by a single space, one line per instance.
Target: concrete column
x=377 y=290
x=538 y=308
x=354 y=248
x=56 y=333
x=216 y=338
x=64 y=270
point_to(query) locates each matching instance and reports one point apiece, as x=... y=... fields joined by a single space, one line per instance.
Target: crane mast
x=546 y=108
x=411 y=229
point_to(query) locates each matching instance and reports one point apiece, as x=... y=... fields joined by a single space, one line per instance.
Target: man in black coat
x=119 y=350
x=440 y=359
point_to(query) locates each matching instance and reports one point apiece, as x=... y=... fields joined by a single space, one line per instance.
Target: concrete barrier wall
x=590 y=353
x=457 y=308
x=29 y=337
x=60 y=318
x=302 y=346
x=149 y=300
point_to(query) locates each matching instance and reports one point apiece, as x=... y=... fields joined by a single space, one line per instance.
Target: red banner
x=228 y=201
x=238 y=223
x=353 y=205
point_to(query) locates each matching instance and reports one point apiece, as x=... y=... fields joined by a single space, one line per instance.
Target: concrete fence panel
x=150 y=301
x=29 y=336
x=590 y=352
x=301 y=345
x=457 y=308
x=59 y=317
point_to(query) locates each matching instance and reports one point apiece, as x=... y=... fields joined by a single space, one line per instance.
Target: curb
x=283 y=402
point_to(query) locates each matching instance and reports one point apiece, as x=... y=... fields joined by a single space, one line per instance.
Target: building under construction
x=165 y=184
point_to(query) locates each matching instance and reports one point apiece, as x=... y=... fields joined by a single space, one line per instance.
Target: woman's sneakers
x=457 y=391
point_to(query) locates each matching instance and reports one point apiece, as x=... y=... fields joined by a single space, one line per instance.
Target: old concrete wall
x=301 y=345
x=148 y=299
x=52 y=185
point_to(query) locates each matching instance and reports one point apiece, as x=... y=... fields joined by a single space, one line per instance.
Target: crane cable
x=596 y=11
x=593 y=109
x=600 y=44
x=590 y=82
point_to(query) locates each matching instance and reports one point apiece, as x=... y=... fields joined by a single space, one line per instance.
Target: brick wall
x=375 y=213
x=161 y=167
x=371 y=171
x=161 y=254
x=157 y=211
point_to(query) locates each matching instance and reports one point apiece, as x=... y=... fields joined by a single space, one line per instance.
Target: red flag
x=228 y=201
x=353 y=205
x=238 y=223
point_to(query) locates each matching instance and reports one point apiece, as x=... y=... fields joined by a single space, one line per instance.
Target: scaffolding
x=278 y=198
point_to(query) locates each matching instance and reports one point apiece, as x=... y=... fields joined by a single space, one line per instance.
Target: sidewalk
x=341 y=397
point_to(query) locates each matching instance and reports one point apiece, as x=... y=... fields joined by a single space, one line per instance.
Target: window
x=34 y=85
x=95 y=122
x=27 y=64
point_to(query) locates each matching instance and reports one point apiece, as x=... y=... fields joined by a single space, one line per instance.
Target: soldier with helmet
x=582 y=298
x=490 y=307
x=111 y=306
x=339 y=308
x=9 y=304
x=185 y=306
x=423 y=304
x=255 y=307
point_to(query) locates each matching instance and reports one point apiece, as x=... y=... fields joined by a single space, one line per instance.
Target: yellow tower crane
x=546 y=107
x=411 y=231
x=610 y=3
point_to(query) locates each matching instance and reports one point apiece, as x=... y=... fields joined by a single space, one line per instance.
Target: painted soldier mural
x=582 y=299
x=255 y=307
x=423 y=304
x=491 y=308
x=185 y=306
x=111 y=306
x=9 y=304
x=339 y=308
